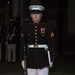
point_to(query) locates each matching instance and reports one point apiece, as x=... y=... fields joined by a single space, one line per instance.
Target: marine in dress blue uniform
x=11 y=42
x=37 y=38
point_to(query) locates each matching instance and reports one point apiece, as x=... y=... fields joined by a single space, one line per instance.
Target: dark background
x=60 y=15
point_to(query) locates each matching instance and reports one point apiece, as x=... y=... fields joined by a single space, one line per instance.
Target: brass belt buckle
x=35 y=46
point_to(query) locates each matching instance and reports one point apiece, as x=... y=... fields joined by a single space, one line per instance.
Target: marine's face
x=36 y=17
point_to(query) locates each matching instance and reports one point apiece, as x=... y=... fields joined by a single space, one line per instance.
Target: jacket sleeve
x=22 y=44
x=51 y=41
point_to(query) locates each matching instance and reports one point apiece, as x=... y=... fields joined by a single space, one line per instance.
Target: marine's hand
x=51 y=64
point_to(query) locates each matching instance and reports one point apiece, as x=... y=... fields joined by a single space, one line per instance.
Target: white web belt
x=38 y=46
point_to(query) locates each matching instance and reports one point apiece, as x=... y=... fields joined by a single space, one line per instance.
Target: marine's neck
x=36 y=21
